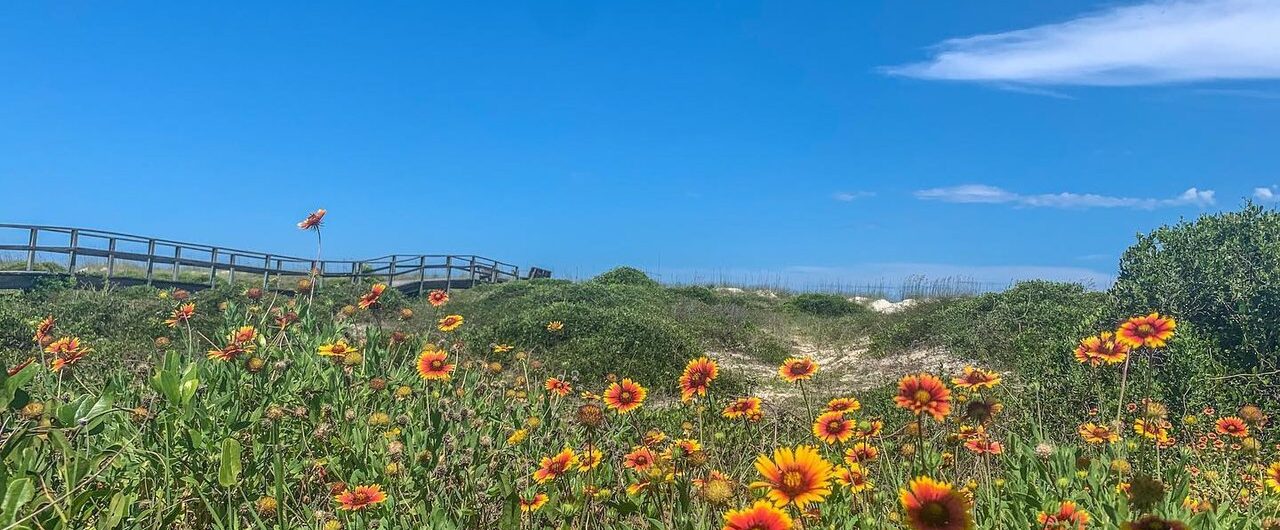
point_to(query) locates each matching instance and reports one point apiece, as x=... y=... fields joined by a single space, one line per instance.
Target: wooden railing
x=33 y=250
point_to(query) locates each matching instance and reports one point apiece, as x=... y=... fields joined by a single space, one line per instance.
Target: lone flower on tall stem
x=449 y=323
x=370 y=298
x=181 y=315
x=697 y=377
x=433 y=364
x=1152 y=331
x=437 y=298
x=924 y=393
x=44 y=332
x=1101 y=348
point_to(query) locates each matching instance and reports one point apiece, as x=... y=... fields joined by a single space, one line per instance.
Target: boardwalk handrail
x=408 y=272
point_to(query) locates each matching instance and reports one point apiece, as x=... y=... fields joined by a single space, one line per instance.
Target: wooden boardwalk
x=30 y=253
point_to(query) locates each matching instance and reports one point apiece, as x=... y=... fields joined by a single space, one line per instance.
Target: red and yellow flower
x=924 y=393
x=553 y=467
x=449 y=323
x=66 y=352
x=1152 y=331
x=640 y=459
x=843 y=404
x=697 y=377
x=1101 y=348
x=832 y=427
x=181 y=314
x=1068 y=517
x=742 y=407
x=1273 y=477
x=370 y=298
x=589 y=459
x=800 y=476
x=558 y=387
x=313 y=220
x=338 y=348
x=534 y=503
x=855 y=477
x=860 y=452
x=975 y=379
x=1231 y=426
x=934 y=505
x=983 y=445
x=625 y=396
x=360 y=497
x=437 y=298
x=44 y=331
x=759 y=516
x=797 y=369
x=1097 y=434
x=433 y=364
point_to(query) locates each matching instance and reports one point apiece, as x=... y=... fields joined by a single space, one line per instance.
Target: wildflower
x=1231 y=426
x=716 y=489
x=832 y=427
x=983 y=445
x=982 y=410
x=1145 y=492
x=449 y=323
x=555 y=326
x=855 y=477
x=361 y=497
x=338 y=348
x=379 y=419
x=352 y=358
x=44 y=331
x=517 y=436
x=534 y=503
x=553 y=467
x=639 y=459
x=402 y=392
x=1273 y=477
x=843 y=404
x=625 y=396
x=1068 y=516
x=1154 y=522
x=800 y=476
x=180 y=315
x=934 y=505
x=244 y=335
x=266 y=506
x=32 y=410
x=1153 y=429
x=590 y=416
x=433 y=365
x=406 y=313
x=860 y=452
x=590 y=459
x=760 y=516
x=437 y=298
x=370 y=298
x=1253 y=415
x=1097 y=434
x=797 y=369
x=924 y=393
x=66 y=352
x=653 y=438
x=558 y=387
x=741 y=407
x=697 y=377
x=1102 y=348
x=313 y=220
x=181 y=295
x=1151 y=331
x=304 y=286
x=869 y=428
x=975 y=379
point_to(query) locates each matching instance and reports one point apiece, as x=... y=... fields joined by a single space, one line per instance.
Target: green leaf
x=229 y=465
x=18 y=493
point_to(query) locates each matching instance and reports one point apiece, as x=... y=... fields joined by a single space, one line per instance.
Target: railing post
x=493 y=273
x=472 y=268
x=31 y=249
x=177 y=261
x=448 y=273
x=355 y=272
x=266 y=271
x=231 y=272
x=391 y=272
x=422 y=273
x=320 y=274
x=75 y=241
x=111 y=259
x=213 y=268
x=151 y=264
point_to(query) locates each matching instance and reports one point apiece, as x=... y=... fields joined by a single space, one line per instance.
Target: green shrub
x=827 y=305
x=625 y=276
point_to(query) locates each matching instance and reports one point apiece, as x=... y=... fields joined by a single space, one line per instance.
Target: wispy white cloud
x=1158 y=41
x=1268 y=194
x=984 y=194
x=848 y=196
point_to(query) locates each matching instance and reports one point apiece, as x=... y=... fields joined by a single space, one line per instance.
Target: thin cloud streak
x=1154 y=42
x=849 y=196
x=984 y=194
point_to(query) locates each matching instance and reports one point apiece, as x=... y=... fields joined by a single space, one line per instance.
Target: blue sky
x=802 y=141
